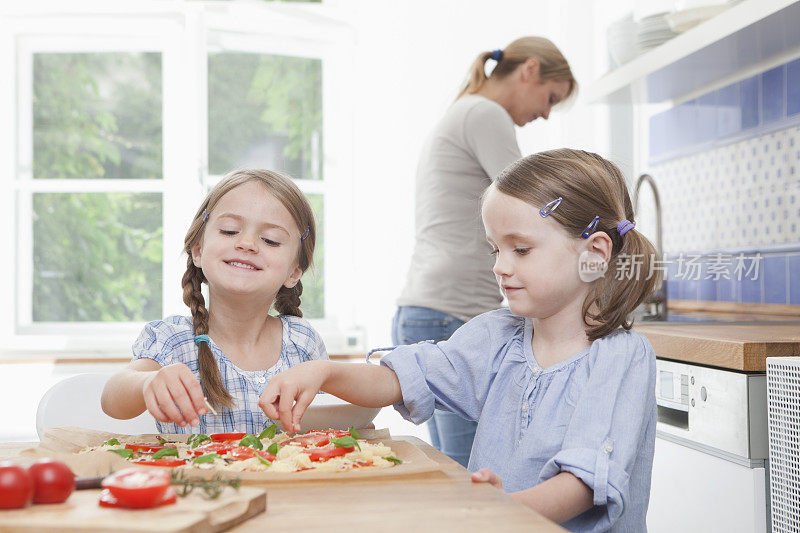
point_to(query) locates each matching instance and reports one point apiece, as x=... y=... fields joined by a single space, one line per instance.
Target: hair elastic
x=304 y=236
x=201 y=338
x=550 y=207
x=497 y=55
x=625 y=226
x=205 y=215
x=591 y=227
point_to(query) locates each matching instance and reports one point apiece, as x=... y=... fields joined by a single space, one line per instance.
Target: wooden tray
x=191 y=514
x=63 y=443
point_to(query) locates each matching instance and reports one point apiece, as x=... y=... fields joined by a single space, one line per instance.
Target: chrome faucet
x=656 y=304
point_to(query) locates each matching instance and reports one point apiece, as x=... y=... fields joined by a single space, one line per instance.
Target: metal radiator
x=783 y=412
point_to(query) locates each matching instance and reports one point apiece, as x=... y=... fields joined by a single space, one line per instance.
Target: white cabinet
x=696 y=491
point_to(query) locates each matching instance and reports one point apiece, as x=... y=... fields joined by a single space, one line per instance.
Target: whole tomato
x=53 y=481
x=16 y=486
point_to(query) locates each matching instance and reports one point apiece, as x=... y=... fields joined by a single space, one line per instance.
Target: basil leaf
x=161 y=440
x=123 y=452
x=252 y=441
x=164 y=452
x=395 y=460
x=354 y=433
x=263 y=461
x=197 y=439
x=111 y=442
x=345 y=442
x=273 y=448
x=269 y=432
x=207 y=458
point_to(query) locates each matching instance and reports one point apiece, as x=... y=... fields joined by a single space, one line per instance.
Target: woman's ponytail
x=476 y=76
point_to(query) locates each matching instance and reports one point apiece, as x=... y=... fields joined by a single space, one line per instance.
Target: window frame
x=183 y=33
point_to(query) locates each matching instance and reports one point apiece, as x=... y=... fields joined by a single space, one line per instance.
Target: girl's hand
x=484 y=475
x=173 y=394
x=289 y=393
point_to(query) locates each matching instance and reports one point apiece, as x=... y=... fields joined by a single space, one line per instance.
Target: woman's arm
x=289 y=393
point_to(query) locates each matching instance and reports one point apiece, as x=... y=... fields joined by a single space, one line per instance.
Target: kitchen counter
x=444 y=501
x=735 y=347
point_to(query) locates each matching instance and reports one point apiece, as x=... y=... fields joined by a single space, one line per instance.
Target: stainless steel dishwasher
x=710 y=468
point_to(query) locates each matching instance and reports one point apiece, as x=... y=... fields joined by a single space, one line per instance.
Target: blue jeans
x=450 y=434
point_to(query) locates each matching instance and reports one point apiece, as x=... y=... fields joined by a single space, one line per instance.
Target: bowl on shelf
x=327 y=411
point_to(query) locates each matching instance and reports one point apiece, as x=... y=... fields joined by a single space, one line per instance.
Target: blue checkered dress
x=171 y=341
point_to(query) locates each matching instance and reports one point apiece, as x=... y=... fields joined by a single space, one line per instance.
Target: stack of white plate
x=621 y=38
x=681 y=21
x=653 y=31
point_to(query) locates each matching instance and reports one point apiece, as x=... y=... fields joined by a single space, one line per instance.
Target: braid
x=287 y=301
x=210 y=378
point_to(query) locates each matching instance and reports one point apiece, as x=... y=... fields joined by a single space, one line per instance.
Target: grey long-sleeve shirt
x=451 y=269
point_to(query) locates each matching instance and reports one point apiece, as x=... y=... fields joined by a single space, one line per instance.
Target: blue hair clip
x=497 y=55
x=624 y=227
x=304 y=236
x=591 y=227
x=550 y=207
x=201 y=338
x=205 y=215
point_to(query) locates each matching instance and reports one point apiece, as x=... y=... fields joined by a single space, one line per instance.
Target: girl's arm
x=289 y=393
x=170 y=393
x=560 y=498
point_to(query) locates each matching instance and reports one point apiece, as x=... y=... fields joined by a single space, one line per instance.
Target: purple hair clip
x=304 y=236
x=624 y=227
x=497 y=55
x=591 y=227
x=550 y=207
x=205 y=215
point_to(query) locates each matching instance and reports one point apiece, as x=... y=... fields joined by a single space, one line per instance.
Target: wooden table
x=444 y=501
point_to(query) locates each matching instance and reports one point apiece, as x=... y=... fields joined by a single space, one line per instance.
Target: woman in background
x=450 y=279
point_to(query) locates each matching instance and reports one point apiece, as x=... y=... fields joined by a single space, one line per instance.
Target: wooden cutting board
x=737 y=347
x=192 y=514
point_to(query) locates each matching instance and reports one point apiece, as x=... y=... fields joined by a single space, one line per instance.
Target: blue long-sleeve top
x=593 y=415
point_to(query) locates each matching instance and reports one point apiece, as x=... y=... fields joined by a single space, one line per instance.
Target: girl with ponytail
x=250 y=242
x=562 y=390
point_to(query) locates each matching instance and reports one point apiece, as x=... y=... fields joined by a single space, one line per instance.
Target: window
x=117 y=127
x=271 y=118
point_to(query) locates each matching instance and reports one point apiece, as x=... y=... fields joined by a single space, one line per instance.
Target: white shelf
x=744 y=35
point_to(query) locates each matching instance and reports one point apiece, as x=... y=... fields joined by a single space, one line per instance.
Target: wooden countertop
x=737 y=347
x=444 y=501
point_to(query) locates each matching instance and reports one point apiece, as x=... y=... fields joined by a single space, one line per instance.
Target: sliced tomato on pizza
x=329 y=452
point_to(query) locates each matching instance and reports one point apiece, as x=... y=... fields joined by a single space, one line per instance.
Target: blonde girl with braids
x=450 y=276
x=250 y=242
x=561 y=388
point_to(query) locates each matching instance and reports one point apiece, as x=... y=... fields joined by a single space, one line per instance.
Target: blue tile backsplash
x=727 y=165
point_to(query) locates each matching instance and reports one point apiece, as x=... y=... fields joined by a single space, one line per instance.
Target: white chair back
x=75 y=401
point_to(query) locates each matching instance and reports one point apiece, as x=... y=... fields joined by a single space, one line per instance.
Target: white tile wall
x=745 y=194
